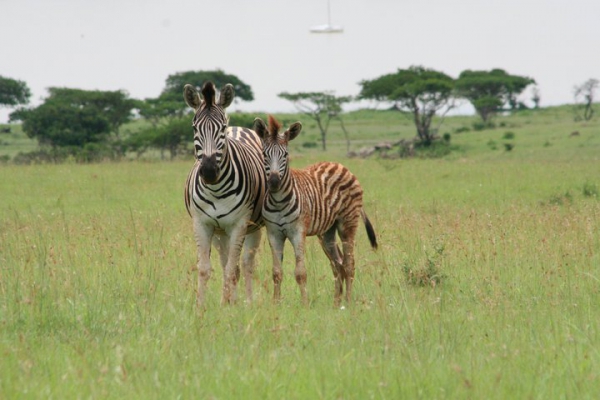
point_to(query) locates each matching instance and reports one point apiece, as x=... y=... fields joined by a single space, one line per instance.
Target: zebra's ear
x=227 y=95
x=293 y=131
x=260 y=128
x=191 y=96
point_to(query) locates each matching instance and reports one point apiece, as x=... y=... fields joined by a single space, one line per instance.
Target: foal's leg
x=332 y=252
x=347 y=234
x=298 y=240
x=276 y=242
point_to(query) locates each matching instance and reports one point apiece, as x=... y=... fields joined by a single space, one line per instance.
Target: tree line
x=87 y=124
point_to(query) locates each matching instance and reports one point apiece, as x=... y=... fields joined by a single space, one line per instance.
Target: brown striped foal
x=320 y=200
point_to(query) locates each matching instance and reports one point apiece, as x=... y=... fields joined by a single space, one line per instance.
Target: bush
x=428 y=273
x=590 y=190
x=480 y=125
x=241 y=119
x=508 y=135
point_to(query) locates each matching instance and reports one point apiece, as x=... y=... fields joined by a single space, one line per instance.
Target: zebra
x=321 y=199
x=224 y=190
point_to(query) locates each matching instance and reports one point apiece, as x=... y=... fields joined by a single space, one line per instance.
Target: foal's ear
x=260 y=128
x=226 y=96
x=293 y=131
x=191 y=97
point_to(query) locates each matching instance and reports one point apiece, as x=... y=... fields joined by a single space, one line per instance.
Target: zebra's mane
x=208 y=94
x=274 y=127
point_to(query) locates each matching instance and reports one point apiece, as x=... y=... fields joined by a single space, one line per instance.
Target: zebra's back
x=328 y=192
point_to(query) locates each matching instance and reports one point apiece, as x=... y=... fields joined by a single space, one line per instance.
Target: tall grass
x=97 y=286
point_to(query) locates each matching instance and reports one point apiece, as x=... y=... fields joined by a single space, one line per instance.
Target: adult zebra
x=322 y=199
x=224 y=190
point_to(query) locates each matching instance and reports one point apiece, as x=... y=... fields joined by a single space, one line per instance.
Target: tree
x=115 y=106
x=172 y=136
x=322 y=107
x=422 y=92
x=13 y=92
x=585 y=94
x=59 y=124
x=490 y=91
x=174 y=85
x=76 y=117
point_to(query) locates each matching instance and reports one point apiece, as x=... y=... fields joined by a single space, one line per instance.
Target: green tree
x=75 y=117
x=13 y=92
x=175 y=83
x=490 y=91
x=172 y=136
x=59 y=124
x=420 y=91
x=115 y=106
x=322 y=107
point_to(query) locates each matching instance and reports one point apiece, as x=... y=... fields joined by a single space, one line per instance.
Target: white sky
x=135 y=44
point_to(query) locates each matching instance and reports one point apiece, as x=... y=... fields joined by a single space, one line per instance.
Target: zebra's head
x=210 y=127
x=275 y=149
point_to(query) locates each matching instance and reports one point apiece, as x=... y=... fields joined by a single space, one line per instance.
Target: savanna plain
x=486 y=283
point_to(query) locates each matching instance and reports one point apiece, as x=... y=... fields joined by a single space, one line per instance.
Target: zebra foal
x=322 y=199
x=224 y=190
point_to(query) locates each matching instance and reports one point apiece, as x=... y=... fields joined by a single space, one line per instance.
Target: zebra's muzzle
x=209 y=170
x=274 y=182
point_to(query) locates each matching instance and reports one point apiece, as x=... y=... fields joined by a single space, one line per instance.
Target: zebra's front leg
x=231 y=271
x=277 y=243
x=202 y=235
x=298 y=241
x=251 y=244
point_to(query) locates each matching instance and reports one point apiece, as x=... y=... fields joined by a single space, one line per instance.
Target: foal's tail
x=370 y=230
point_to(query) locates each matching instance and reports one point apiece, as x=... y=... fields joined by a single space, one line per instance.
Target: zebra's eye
x=223 y=127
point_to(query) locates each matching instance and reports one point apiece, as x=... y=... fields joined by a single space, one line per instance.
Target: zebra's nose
x=209 y=169
x=274 y=181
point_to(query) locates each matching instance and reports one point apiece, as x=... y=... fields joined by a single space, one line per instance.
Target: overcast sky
x=135 y=44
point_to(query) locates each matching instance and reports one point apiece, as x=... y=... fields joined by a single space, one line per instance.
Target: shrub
x=509 y=146
x=509 y=135
x=428 y=273
x=590 y=190
x=480 y=125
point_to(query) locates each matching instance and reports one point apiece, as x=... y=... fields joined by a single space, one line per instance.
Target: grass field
x=97 y=279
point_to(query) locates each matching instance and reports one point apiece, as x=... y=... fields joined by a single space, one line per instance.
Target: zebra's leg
x=221 y=243
x=251 y=244
x=332 y=252
x=347 y=234
x=231 y=273
x=202 y=235
x=298 y=240
x=277 y=243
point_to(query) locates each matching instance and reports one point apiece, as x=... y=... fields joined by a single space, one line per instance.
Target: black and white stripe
x=224 y=190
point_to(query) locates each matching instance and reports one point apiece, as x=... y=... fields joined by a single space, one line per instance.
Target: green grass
x=97 y=280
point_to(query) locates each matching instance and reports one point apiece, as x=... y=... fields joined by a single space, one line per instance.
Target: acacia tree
x=490 y=91
x=13 y=92
x=322 y=107
x=584 y=95
x=422 y=92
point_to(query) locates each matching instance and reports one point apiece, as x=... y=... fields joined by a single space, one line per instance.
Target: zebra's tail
x=370 y=230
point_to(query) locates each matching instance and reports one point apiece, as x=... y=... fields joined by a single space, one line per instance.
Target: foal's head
x=275 y=149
